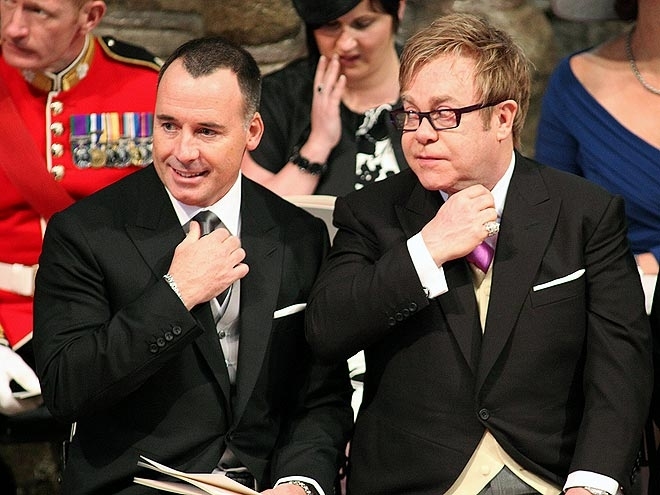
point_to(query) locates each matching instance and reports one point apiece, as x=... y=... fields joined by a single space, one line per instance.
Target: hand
x=204 y=267
x=12 y=367
x=325 y=118
x=285 y=489
x=577 y=491
x=458 y=227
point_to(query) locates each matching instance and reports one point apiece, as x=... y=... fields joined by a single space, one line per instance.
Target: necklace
x=633 y=65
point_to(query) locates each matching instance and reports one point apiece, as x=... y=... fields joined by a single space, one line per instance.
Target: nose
x=186 y=148
x=425 y=132
x=346 y=40
x=14 y=23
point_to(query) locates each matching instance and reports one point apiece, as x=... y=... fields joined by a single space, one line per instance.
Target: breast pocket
x=559 y=289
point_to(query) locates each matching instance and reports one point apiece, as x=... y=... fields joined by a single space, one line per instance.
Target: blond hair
x=502 y=70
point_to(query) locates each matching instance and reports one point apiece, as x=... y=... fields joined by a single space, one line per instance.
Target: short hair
x=502 y=70
x=204 y=56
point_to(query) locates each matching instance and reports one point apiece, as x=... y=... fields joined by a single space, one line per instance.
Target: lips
x=189 y=175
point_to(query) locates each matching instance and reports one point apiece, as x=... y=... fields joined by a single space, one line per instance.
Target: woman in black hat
x=326 y=124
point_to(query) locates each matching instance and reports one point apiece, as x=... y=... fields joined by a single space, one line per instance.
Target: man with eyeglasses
x=496 y=300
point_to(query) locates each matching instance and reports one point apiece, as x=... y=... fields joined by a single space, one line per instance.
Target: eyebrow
x=435 y=101
x=211 y=125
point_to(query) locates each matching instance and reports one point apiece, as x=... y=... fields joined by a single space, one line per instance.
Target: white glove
x=12 y=367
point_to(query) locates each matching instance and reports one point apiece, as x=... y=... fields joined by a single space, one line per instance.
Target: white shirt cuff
x=592 y=480
x=430 y=275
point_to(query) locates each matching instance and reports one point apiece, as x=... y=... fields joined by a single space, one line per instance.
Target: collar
x=227 y=208
x=66 y=78
x=500 y=189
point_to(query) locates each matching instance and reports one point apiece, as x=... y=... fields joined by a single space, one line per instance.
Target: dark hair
x=626 y=9
x=203 y=56
x=390 y=7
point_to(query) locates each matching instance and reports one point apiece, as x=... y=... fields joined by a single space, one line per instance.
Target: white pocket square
x=559 y=281
x=289 y=310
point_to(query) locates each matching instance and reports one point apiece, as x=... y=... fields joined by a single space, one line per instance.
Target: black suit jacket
x=120 y=355
x=562 y=375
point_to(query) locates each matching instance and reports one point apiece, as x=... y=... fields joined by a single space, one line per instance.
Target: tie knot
x=208 y=221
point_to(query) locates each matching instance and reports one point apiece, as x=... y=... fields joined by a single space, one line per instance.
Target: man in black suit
x=189 y=348
x=527 y=374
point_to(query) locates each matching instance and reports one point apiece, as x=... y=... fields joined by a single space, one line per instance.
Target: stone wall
x=273 y=33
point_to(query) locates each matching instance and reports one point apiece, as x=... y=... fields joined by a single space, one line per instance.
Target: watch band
x=305 y=165
x=594 y=491
x=302 y=485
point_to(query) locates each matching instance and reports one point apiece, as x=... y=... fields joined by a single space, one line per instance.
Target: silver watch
x=595 y=491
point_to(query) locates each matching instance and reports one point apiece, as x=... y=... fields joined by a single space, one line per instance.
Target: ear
x=91 y=14
x=254 y=131
x=504 y=114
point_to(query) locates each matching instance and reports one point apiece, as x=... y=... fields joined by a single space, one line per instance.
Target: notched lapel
x=260 y=237
x=527 y=224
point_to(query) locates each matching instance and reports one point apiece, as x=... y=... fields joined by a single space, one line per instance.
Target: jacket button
x=484 y=414
x=57 y=128
x=153 y=348
x=160 y=342
x=405 y=312
x=57 y=107
x=413 y=307
x=168 y=336
x=391 y=321
x=176 y=330
x=57 y=150
x=398 y=316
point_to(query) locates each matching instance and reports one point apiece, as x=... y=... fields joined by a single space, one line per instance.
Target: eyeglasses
x=440 y=120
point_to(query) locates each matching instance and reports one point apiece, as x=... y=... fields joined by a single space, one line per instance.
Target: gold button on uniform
x=57 y=150
x=57 y=107
x=58 y=172
x=57 y=128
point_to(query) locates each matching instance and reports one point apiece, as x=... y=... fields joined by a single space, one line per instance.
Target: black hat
x=317 y=12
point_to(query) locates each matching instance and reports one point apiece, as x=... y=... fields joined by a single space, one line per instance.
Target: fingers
x=204 y=267
x=328 y=82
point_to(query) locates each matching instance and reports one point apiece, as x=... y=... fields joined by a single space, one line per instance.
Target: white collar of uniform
x=228 y=208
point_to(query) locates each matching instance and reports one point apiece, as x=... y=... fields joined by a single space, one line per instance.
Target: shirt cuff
x=592 y=480
x=304 y=479
x=430 y=275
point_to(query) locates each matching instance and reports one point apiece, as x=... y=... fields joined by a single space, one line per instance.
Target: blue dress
x=578 y=135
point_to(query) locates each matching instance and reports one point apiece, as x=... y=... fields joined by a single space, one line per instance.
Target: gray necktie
x=209 y=221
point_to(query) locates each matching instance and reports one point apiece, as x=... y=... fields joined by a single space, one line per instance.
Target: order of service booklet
x=193 y=483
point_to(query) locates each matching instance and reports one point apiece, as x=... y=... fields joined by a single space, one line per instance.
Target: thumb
x=194 y=231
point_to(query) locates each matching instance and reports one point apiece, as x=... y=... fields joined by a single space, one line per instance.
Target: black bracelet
x=305 y=165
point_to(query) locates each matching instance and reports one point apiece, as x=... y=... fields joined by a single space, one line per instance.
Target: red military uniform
x=92 y=122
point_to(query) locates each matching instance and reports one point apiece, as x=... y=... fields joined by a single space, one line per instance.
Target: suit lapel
x=459 y=304
x=527 y=224
x=260 y=237
x=156 y=232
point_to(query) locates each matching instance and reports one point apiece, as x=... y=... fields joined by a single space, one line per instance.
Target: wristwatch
x=303 y=485
x=305 y=165
x=594 y=491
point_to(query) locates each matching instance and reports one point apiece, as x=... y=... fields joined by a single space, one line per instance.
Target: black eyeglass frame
x=458 y=112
